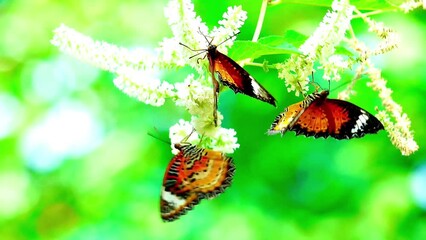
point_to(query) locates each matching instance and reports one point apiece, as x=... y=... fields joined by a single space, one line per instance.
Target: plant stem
x=257 y=30
x=260 y=20
x=271 y=66
x=362 y=15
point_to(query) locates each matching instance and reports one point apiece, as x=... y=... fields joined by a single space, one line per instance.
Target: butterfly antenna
x=201 y=51
x=329 y=85
x=189 y=135
x=317 y=85
x=201 y=140
x=198 y=54
x=205 y=37
x=304 y=95
x=195 y=50
x=158 y=138
x=341 y=85
x=233 y=35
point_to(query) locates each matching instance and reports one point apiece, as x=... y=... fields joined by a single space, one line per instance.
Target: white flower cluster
x=398 y=129
x=101 y=54
x=232 y=21
x=331 y=31
x=410 y=5
x=182 y=131
x=144 y=87
x=320 y=46
x=136 y=69
x=185 y=26
x=223 y=141
x=396 y=123
x=198 y=99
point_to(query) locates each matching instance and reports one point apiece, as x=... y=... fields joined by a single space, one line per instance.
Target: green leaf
x=360 y=4
x=344 y=50
x=290 y=37
x=289 y=43
x=271 y=45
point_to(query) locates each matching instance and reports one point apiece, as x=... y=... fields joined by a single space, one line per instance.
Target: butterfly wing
x=192 y=175
x=351 y=121
x=212 y=174
x=176 y=199
x=286 y=119
x=336 y=118
x=235 y=77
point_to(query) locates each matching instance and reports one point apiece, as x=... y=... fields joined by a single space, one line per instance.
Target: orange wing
x=286 y=119
x=336 y=118
x=192 y=175
x=319 y=116
x=235 y=77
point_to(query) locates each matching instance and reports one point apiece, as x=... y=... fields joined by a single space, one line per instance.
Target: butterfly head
x=212 y=49
x=325 y=93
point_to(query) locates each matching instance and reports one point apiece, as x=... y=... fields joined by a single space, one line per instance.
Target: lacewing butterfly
x=193 y=174
x=231 y=74
x=319 y=116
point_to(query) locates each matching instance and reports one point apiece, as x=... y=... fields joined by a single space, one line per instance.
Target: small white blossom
x=390 y=39
x=144 y=87
x=203 y=123
x=101 y=54
x=193 y=95
x=410 y=5
x=232 y=21
x=198 y=100
x=345 y=94
x=223 y=140
x=186 y=27
x=398 y=128
x=296 y=72
x=396 y=123
x=320 y=46
x=333 y=66
x=182 y=132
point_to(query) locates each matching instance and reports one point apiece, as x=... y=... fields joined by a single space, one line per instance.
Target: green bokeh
x=284 y=187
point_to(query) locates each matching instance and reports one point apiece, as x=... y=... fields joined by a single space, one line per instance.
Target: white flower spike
x=136 y=69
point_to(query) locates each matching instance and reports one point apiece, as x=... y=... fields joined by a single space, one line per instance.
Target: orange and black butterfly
x=319 y=116
x=232 y=75
x=193 y=174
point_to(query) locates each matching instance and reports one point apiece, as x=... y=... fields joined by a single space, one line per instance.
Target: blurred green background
x=76 y=161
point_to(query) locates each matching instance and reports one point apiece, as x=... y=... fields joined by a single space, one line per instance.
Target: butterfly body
x=193 y=174
x=319 y=116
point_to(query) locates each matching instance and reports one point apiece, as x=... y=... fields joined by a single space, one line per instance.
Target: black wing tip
x=269 y=99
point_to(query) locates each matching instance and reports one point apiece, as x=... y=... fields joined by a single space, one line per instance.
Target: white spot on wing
x=256 y=87
x=172 y=199
x=360 y=123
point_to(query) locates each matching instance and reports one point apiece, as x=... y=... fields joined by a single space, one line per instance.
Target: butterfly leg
x=215 y=94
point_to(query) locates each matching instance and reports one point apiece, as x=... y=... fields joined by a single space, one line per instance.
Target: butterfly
x=319 y=116
x=193 y=174
x=231 y=74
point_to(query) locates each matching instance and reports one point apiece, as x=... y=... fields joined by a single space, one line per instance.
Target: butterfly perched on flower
x=193 y=174
x=231 y=74
x=320 y=116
